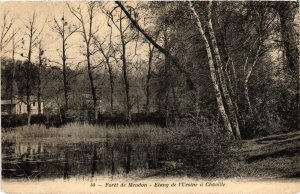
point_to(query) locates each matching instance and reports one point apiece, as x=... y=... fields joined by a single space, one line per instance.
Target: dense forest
x=234 y=64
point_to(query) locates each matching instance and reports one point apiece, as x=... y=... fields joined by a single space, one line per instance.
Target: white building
x=20 y=107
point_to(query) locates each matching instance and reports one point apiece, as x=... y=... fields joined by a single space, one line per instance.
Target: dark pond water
x=35 y=160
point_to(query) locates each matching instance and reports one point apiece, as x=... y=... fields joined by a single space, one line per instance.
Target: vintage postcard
x=150 y=97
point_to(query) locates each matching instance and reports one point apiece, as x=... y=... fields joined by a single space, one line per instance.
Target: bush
x=202 y=146
x=261 y=124
x=38 y=119
x=10 y=121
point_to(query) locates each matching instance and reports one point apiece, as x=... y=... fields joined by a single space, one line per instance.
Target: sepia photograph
x=150 y=96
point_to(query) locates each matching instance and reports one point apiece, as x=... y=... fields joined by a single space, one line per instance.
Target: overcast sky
x=46 y=11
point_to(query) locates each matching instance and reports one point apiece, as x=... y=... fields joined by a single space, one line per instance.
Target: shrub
x=38 y=119
x=10 y=121
x=200 y=145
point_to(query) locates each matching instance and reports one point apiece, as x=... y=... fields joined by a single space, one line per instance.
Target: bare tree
x=107 y=53
x=33 y=33
x=87 y=32
x=14 y=47
x=64 y=30
x=122 y=29
x=6 y=28
x=5 y=39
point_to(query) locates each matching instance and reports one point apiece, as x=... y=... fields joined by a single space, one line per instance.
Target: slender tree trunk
x=93 y=89
x=125 y=76
x=111 y=82
x=148 y=78
x=13 y=76
x=126 y=83
x=220 y=68
x=247 y=78
x=248 y=69
x=28 y=88
x=167 y=79
x=229 y=76
x=28 y=108
x=64 y=60
x=110 y=73
x=212 y=69
x=39 y=82
x=232 y=87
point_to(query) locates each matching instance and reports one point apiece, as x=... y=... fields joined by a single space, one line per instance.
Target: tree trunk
x=248 y=73
x=28 y=108
x=125 y=76
x=110 y=73
x=93 y=89
x=39 y=82
x=220 y=68
x=64 y=59
x=13 y=76
x=167 y=70
x=230 y=78
x=148 y=78
x=289 y=38
x=111 y=81
x=28 y=88
x=213 y=75
x=126 y=83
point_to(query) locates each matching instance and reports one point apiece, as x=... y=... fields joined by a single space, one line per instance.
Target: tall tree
x=213 y=72
x=87 y=31
x=108 y=53
x=221 y=73
x=64 y=29
x=33 y=33
x=122 y=27
x=14 y=47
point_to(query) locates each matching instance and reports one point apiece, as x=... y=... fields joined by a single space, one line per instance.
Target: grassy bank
x=79 y=131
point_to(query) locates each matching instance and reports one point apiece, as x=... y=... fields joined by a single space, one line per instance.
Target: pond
x=34 y=159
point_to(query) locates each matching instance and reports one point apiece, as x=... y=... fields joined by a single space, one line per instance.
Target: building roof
x=8 y=101
x=17 y=99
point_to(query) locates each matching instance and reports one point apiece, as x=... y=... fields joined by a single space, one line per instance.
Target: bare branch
x=6 y=28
